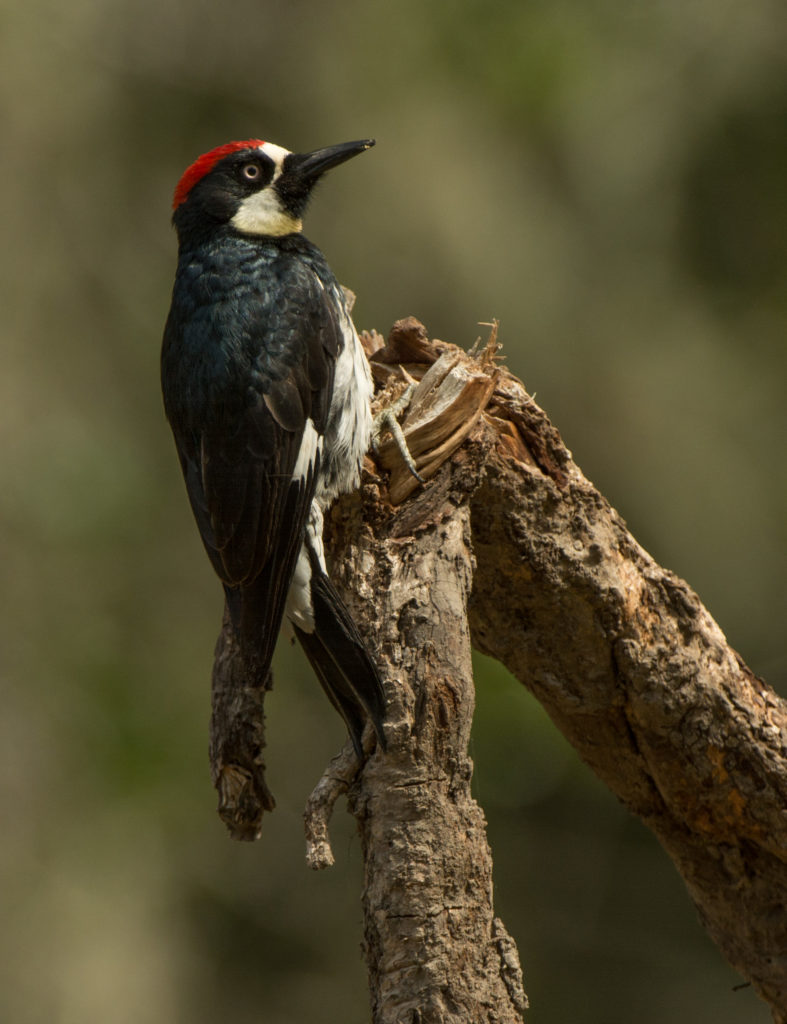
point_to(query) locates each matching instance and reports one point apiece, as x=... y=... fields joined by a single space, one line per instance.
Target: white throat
x=262 y=214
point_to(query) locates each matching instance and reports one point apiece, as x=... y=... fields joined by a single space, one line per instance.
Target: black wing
x=239 y=461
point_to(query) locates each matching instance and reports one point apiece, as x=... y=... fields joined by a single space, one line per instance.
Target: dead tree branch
x=509 y=547
x=435 y=951
x=621 y=653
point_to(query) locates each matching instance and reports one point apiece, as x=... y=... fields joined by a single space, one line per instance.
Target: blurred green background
x=606 y=179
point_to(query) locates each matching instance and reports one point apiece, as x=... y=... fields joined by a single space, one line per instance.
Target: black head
x=254 y=187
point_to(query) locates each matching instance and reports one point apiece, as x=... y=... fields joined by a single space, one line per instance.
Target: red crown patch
x=205 y=163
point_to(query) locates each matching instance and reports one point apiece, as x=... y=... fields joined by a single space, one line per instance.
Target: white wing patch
x=311 y=444
x=349 y=419
x=299 y=609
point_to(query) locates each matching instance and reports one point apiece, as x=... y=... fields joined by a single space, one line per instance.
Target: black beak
x=301 y=172
x=308 y=167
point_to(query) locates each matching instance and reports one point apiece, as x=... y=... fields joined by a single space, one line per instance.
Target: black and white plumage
x=268 y=391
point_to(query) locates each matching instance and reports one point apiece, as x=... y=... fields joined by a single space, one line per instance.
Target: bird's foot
x=388 y=419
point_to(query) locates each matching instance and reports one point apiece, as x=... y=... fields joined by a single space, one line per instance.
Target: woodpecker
x=267 y=391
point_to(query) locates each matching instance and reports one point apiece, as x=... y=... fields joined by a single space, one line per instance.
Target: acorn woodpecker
x=268 y=391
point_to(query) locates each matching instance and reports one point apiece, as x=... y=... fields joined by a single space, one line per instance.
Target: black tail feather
x=341 y=661
x=332 y=681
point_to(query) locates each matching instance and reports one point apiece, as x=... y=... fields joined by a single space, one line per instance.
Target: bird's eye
x=251 y=172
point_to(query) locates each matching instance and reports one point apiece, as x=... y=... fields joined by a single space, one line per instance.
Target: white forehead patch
x=277 y=155
x=262 y=212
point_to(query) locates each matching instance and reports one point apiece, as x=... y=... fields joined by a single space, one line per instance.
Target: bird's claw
x=387 y=419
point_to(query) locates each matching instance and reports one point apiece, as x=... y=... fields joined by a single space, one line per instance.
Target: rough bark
x=435 y=952
x=510 y=547
x=621 y=653
x=237 y=738
x=640 y=679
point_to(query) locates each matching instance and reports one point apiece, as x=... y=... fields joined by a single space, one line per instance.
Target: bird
x=267 y=391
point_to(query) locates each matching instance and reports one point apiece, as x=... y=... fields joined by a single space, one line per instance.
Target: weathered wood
x=435 y=951
x=237 y=738
x=509 y=546
x=640 y=679
x=621 y=653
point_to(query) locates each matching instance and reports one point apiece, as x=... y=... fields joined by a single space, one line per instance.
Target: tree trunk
x=627 y=662
x=509 y=547
x=434 y=950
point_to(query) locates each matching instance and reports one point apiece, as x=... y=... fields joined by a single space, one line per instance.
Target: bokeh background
x=609 y=181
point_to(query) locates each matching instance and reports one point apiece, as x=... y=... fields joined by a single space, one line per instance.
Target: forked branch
x=621 y=653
